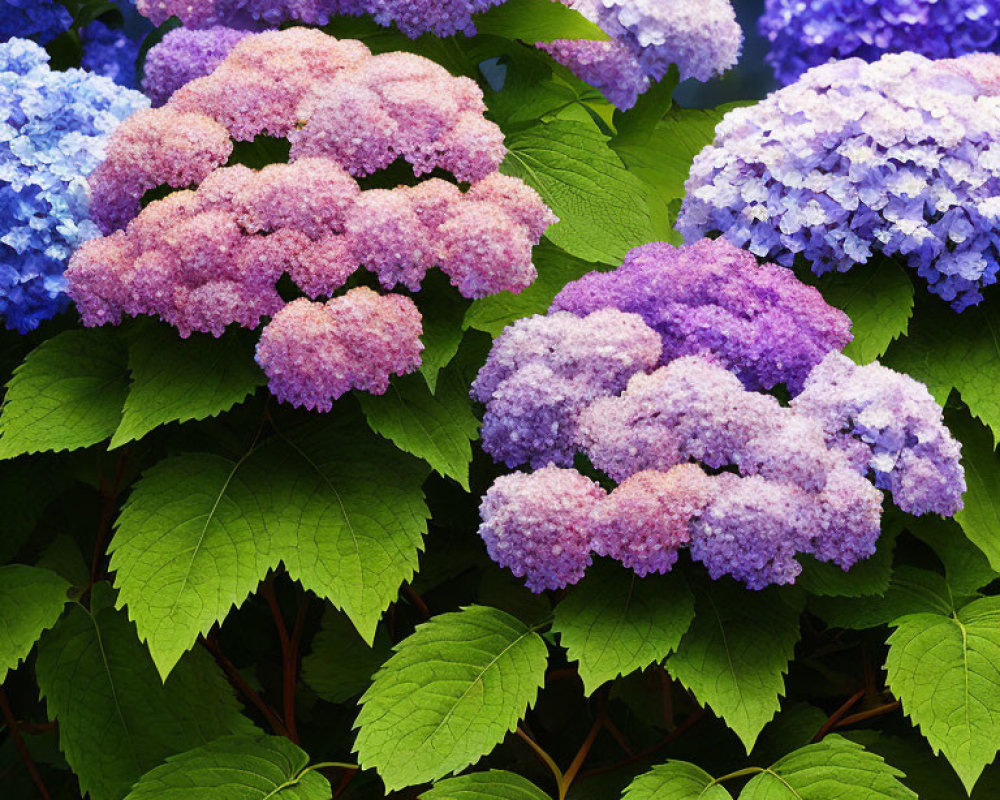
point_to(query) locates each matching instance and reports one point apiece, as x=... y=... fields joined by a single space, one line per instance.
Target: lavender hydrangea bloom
x=647 y=36
x=40 y=20
x=889 y=425
x=543 y=371
x=183 y=55
x=54 y=127
x=110 y=52
x=539 y=525
x=806 y=33
x=712 y=299
x=900 y=158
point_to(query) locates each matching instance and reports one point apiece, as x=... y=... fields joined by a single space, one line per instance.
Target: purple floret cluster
x=656 y=397
x=183 y=55
x=854 y=161
x=412 y=17
x=807 y=33
x=646 y=37
x=212 y=255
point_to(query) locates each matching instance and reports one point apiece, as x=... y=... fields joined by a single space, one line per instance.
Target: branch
x=108 y=496
x=871 y=713
x=15 y=732
x=837 y=715
x=545 y=757
x=581 y=756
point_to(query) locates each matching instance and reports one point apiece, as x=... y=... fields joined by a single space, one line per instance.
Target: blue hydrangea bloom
x=806 y=33
x=54 y=127
x=41 y=20
x=110 y=52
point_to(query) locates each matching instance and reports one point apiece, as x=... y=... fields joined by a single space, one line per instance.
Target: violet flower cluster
x=900 y=158
x=647 y=36
x=54 y=128
x=807 y=33
x=183 y=55
x=702 y=460
x=207 y=257
x=412 y=17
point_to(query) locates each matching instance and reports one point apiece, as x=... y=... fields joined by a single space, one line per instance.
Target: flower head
x=183 y=55
x=39 y=20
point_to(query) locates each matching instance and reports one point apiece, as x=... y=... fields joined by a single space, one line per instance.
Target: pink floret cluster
x=702 y=460
x=211 y=254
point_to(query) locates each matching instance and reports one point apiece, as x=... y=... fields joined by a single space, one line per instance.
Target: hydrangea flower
x=675 y=416
x=807 y=33
x=110 y=52
x=900 y=158
x=211 y=254
x=39 y=20
x=710 y=297
x=54 y=128
x=183 y=55
x=890 y=425
x=647 y=36
x=412 y=17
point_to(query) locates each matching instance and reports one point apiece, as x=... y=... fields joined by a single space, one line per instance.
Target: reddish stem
x=871 y=713
x=837 y=715
x=108 y=496
x=244 y=688
x=15 y=732
x=418 y=601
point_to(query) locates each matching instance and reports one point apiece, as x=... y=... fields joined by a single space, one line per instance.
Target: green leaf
x=443 y=309
x=341 y=664
x=235 y=768
x=614 y=622
x=635 y=127
x=966 y=568
x=175 y=380
x=721 y=658
x=833 y=769
x=451 y=692
x=675 y=780
x=946 y=350
x=31 y=601
x=439 y=428
x=878 y=298
x=496 y=784
x=868 y=577
x=344 y=511
x=556 y=268
x=537 y=21
x=945 y=668
x=67 y=394
x=116 y=719
x=585 y=183
x=980 y=516
x=27 y=486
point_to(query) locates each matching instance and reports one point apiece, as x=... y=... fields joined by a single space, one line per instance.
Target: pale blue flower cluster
x=900 y=158
x=53 y=130
x=806 y=33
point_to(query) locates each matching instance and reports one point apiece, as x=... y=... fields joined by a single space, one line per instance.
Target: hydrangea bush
x=392 y=443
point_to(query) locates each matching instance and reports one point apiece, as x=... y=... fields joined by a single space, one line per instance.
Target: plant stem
x=545 y=757
x=289 y=653
x=244 y=688
x=871 y=713
x=838 y=715
x=108 y=496
x=740 y=773
x=22 y=748
x=581 y=756
x=418 y=601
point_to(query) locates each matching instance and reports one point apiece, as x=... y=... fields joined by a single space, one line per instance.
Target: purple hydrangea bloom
x=647 y=36
x=712 y=299
x=110 y=52
x=890 y=426
x=412 y=17
x=899 y=158
x=40 y=20
x=183 y=55
x=54 y=128
x=543 y=371
x=806 y=33
x=539 y=525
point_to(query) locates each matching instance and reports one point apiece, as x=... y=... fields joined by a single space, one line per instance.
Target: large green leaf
x=833 y=769
x=451 y=692
x=27 y=486
x=980 y=516
x=443 y=310
x=868 y=577
x=966 y=568
x=675 y=780
x=945 y=668
x=946 y=350
x=585 y=183
x=116 y=719
x=235 y=768
x=878 y=298
x=556 y=268
x=341 y=664
x=343 y=510
x=67 y=394
x=31 y=601
x=175 y=380
x=439 y=427
x=496 y=784
x=614 y=622
x=721 y=658
x=537 y=21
